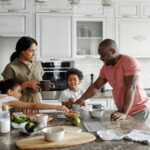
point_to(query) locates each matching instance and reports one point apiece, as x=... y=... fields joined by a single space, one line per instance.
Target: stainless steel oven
x=55 y=71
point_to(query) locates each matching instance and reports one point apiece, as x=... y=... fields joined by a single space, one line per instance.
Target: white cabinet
x=133 y=36
x=127 y=9
x=13 y=24
x=87 y=34
x=53 y=33
x=14 y=6
x=145 y=10
x=53 y=6
x=90 y=9
x=132 y=28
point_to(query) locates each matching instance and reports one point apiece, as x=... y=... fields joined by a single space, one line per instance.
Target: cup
x=76 y=107
x=42 y=119
x=45 y=85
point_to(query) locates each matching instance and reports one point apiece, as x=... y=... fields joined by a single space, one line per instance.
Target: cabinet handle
x=88 y=15
x=12 y=10
x=40 y=1
x=54 y=11
x=125 y=16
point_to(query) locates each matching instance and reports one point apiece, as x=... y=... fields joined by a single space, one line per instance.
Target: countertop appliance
x=55 y=71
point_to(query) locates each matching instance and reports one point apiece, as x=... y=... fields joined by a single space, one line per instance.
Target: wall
x=7 y=47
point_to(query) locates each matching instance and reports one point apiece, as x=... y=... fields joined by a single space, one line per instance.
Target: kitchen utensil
x=45 y=85
x=76 y=107
x=70 y=139
x=42 y=119
x=53 y=134
x=97 y=113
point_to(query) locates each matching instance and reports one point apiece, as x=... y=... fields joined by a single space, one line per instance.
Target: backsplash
x=92 y=66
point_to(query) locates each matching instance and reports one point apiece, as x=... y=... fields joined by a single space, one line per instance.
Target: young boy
x=70 y=95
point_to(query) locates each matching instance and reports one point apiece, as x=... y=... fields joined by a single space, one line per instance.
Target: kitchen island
x=7 y=141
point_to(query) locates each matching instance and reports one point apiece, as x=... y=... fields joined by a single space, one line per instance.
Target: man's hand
x=116 y=116
x=81 y=102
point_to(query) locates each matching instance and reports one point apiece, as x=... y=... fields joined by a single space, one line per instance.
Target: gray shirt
x=21 y=72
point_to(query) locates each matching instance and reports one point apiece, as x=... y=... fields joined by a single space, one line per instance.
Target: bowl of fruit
x=19 y=122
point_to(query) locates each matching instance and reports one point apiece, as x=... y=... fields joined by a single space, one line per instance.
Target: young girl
x=11 y=93
x=70 y=95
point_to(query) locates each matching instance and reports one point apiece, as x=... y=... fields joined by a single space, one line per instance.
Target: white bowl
x=97 y=113
x=18 y=126
x=53 y=133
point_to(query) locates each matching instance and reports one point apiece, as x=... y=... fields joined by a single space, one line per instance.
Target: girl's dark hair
x=5 y=85
x=22 y=45
x=76 y=72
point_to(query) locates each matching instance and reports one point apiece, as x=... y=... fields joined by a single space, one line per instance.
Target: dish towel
x=138 y=136
x=134 y=135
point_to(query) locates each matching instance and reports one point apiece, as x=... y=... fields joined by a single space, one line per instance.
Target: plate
x=110 y=135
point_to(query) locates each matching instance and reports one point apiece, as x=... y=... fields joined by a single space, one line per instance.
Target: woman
x=25 y=70
x=11 y=93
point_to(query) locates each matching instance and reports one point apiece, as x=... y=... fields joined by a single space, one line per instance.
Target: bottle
x=5 y=120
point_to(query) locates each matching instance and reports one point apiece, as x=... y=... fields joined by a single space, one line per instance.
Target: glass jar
x=5 y=120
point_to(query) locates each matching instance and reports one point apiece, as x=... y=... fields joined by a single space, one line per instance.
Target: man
x=122 y=73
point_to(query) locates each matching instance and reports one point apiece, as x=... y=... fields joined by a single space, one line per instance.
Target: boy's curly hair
x=76 y=72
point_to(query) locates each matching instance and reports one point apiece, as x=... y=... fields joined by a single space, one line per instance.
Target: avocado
x=75 y=121
x=30 y=127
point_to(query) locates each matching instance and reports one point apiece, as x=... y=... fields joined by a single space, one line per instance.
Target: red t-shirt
x=115 y=77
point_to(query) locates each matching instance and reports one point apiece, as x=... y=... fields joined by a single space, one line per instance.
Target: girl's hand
x=62 y=108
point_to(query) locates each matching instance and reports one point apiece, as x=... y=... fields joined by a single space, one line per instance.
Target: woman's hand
x=31 y=84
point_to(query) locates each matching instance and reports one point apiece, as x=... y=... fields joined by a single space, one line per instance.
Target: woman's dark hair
x=76 y=72
x=5 y=85
x=22 y=45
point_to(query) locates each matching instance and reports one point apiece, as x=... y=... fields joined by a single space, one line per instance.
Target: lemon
x=75 y=121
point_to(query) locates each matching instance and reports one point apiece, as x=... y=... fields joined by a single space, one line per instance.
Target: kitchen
x=41 y=19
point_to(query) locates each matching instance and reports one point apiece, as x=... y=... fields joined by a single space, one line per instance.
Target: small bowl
x=97 y=113
x=70 y=115
x=53 y=133
x=18 y=126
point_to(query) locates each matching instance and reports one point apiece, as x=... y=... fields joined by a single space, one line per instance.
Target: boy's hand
x=70 y=102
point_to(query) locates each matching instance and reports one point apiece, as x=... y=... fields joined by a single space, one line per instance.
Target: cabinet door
x=145 y=10
x=90 y=9
x=127 y=9
x=112 y=104
x=53 y=5
x=133 y=36
x=14 y=5
x=9 y=27
x=53 y=35
x=88 y=33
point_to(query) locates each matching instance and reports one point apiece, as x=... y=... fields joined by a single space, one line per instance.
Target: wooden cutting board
x=70 y=139
x=71 y=129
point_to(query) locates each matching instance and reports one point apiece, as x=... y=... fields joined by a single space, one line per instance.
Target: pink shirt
x=115 y=77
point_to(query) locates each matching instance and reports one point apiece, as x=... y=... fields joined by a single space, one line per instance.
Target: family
x=20 y=87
